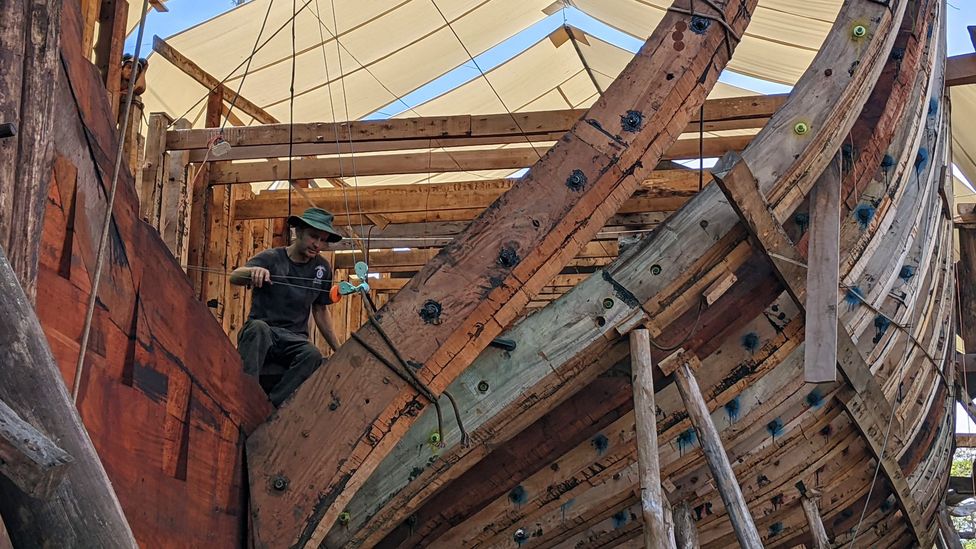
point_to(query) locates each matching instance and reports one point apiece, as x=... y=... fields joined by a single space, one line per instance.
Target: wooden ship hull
x=733 y=287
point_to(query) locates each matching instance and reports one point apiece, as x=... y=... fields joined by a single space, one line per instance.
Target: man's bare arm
x=323 y=320
x=245 y=276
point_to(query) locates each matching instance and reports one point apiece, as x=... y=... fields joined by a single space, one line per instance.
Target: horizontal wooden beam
x=412 y=260
x=28 y=457
x=961 y=70
x=965 y=440
x=431 y=162
x=195 y=72
x=658 y=191
x=720 y=114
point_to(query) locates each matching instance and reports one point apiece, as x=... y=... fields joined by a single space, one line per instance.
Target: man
x=287 y=283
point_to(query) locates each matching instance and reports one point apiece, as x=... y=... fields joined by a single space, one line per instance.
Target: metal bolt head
x=435 y=438
x=279 y=483
x=859 y=31
x=801 y=128
x=607 y=303
x=344 y=517
x=655 y=269
x=482 y=386
x=520 y=535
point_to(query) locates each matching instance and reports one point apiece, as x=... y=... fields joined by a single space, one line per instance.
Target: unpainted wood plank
x=685 y=532
x=174 y=222
x=815 y=522
x=201 y=193
x=28 y=458
x=823 y=279
x=154 y=169
x=961 y=70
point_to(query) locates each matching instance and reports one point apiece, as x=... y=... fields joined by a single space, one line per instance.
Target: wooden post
x=948 y=530
x=652 y=509
x=132 y=141
x=685 y=533
x=154 y=169
x=818 y=533
x=29 y=38
x=823 y=279
x=967 y=287
x=27 y=457
x=84 y=511
x=715 y=456
x=174 y=222
x=109 y=46
x=199 y=208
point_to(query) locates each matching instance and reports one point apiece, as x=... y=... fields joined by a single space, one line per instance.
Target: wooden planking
x=194 y=71
x=202 y=197
x=109 y=45
x=28 y=458
x=967 y=288
x=567 y=220
x=174 y=217
x=823 y=279
x=720 y=114
x=431 y=162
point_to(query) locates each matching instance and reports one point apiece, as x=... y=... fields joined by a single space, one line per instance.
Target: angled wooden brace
x=29 y=458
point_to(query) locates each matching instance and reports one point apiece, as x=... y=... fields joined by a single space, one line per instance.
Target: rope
x=485 y=76
x=107 y=221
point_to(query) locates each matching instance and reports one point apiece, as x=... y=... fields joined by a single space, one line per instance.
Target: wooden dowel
x=685 y=532
x=817 y=531
x=652 y=509
x=718 y=461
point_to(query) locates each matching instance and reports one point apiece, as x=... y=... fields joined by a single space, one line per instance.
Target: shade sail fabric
x=963 y=134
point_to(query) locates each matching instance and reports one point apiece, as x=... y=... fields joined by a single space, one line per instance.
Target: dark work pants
x=261 y=345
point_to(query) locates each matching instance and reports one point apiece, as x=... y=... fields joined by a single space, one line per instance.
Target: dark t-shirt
x=294 y=288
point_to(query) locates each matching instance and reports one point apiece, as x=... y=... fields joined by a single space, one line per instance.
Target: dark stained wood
x=463 y=314
x=154 y=169
x=109 y=44
x=30 y=54
x=84 y=511
x=28 y=458
x=201 y=201
x=961 y=70
x=967 y=287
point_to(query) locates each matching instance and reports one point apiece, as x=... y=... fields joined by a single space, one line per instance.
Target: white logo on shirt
x=319 y=275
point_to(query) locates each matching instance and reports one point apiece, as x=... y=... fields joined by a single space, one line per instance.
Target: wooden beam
x=174 y=206
x=29 y=42
x=965 y=440
x=28 y=458
x=823 y=279
x=685 y=532
x=84 y=511
x=818 y=533
x=194 y=71
x=961 y=70
x=715 y=456
x=154 y=169
x=201 y=193
x=966 y=269
x=434 y=162
x=734 y=113
x=112 y=18
x=652 y=505
x=658 y=189
x=479 y=284
x=947 y=529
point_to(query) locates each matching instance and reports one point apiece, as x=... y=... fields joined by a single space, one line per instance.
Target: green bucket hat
x=317 y=218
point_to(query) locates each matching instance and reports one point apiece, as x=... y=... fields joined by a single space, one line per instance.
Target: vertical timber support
x=823 y=279
x=652 y=504
x=174 y=216
x=811 y=510
x=200 y=190
x=30 y=33
x=154 y=170
x=109 y=46
x=681 y=365
x=83 y=510
x=967 y=285
x=685 y=533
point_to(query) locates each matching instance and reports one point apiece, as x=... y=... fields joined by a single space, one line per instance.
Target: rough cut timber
x=961 y=70
x=28 y=458
x=652 y=495
x=823 y=279
x=84 y=512
x=444 y=318
x=832 y=122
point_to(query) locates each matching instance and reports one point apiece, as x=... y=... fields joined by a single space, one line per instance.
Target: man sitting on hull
x=288 y=283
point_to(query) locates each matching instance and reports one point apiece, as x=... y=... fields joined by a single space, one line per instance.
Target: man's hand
x=260 y=275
